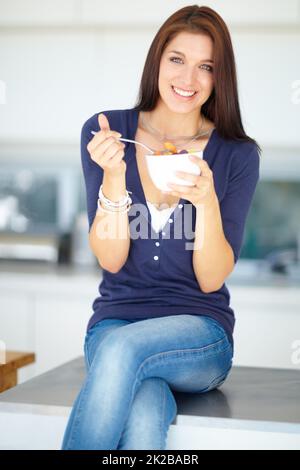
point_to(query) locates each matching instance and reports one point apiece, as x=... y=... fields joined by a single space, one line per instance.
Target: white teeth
x=183 y=93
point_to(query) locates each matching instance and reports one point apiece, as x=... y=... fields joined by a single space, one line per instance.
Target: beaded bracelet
x=110 y=203
x=123 y=209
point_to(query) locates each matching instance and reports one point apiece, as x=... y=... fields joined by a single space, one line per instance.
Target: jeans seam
x=171 y=352
x=162 y=415
x=196 y=350
x=78 y=413
x=87 y=353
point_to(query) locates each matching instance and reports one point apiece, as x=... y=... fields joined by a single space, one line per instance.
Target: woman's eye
x=207 y=67
x=174 y=58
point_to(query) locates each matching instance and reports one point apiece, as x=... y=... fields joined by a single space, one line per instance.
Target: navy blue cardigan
x=158 y=277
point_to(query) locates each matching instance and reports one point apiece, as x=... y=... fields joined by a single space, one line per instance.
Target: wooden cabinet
x=13 y=360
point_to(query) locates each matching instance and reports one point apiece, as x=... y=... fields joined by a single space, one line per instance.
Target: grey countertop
x=251 y=398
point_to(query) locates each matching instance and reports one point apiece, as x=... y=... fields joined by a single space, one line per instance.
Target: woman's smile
x=183 y=95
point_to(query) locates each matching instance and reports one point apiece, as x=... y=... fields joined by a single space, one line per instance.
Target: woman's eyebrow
x=181 y=53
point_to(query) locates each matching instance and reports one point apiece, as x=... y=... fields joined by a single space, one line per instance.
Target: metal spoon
x=133 y=141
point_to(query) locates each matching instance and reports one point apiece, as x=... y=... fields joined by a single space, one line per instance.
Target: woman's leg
x=189 y=352
x=92 y=340
x=153 y=409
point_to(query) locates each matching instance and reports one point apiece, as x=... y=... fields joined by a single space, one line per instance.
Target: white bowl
x=162 y=168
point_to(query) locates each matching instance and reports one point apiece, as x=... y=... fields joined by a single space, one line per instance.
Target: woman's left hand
x=203 y=192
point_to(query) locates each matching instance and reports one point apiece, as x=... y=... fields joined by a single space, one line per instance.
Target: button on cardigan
x=158 y=277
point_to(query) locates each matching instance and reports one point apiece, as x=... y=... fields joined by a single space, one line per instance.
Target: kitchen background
x=61 y=62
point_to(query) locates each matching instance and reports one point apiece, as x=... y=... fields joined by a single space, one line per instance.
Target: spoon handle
x=133 y=141
x=137 y=142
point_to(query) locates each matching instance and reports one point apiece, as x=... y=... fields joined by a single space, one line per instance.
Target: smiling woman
x=163 y=321
x=189 y=73
x=192 y=51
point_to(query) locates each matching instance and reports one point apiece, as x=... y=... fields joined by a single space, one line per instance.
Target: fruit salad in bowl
x=162 y=166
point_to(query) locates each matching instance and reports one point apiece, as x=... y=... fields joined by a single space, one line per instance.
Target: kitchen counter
x=254 y=408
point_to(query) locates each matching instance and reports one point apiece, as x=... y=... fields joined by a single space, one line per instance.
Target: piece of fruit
x=170 y=146
x=171 y=152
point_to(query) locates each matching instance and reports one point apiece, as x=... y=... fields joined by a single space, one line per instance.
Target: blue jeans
x=126 y=401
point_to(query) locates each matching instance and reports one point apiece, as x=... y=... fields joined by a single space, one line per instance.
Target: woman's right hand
x=106 y=150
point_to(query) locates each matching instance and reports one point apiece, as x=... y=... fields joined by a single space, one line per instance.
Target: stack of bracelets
x=109 y=206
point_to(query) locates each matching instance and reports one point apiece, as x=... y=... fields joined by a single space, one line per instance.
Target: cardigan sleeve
x=93 y=173
x=235 y=206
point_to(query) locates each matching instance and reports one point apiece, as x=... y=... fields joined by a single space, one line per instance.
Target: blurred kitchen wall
x=63 y=60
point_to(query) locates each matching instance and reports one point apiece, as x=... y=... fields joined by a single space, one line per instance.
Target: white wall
x=64 y=60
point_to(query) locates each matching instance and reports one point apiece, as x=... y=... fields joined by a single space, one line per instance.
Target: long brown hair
x=222 y=107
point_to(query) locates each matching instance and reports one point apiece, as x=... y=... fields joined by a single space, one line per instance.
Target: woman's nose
x=189 y=79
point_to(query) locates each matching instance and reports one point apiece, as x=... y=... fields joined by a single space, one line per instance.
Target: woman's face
x=192 y=71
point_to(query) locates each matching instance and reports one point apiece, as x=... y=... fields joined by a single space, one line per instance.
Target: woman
x=163 y=321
